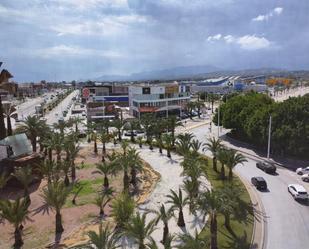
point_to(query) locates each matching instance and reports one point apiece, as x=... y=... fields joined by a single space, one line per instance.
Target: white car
x=301 y=171
x=298 y=191
x=305 y=177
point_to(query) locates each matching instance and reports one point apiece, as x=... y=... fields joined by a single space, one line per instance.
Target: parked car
x=305 y=177
x=269 y=168
x=128 y=133
x=298 y=191
x=301 y=171
x=259 y=182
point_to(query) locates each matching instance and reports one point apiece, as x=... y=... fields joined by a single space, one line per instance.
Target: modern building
x=103 y=100
x=163 y=99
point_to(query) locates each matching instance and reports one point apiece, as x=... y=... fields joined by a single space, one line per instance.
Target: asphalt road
x=287 y=225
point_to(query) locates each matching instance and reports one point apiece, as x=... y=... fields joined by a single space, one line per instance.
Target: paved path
x=171 y=178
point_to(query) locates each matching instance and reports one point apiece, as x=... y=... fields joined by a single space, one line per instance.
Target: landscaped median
x=242 y=223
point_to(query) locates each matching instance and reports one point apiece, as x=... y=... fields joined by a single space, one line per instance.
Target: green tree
x=25 y=177
x=187 y=241
x=223 y=157
x=55 y=196
x=178 y=201
x=104 y=138
x=234 y=158
x=16 y=213
x=183 y=143
x=118 y=124
x=103 y=198
x=213 y=145
x=171 y=124
x=164 y=215
x=105 y=169
x=168 y=142
x=138 y=230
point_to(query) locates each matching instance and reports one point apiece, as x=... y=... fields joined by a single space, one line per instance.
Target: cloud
x=74 y=51
x=214 y=37
x=276 y=11
x=247 y=42
x=89 y=4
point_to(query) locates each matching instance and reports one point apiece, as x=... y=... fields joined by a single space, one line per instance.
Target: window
x=92 y=90
x=146 y=90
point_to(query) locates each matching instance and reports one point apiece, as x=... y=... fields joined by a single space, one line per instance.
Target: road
x=287 y=220
x=56 y=113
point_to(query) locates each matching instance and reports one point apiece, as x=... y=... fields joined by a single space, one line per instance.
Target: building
x=99 y=95
x=162 y=99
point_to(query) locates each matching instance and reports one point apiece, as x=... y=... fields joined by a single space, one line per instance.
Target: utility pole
x=167 y=109
x=103 y=109
x=269 y=137
x=219 y=120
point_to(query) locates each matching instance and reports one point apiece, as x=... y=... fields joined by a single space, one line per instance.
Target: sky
x=78 y=39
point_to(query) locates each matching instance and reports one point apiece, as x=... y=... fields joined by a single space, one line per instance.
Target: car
x=268 y=167
x=259 y=182
x=298 y=191
x=305 y=177
x=301 y=171
x=128 y=133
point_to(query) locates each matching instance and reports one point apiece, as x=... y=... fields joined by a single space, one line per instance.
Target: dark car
x=259 y=182
x=269 y=168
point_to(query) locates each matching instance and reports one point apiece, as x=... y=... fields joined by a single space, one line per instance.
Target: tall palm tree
x=209 y=202
x=132 y=125
x=25 y=177
x=191 y=187
x=164 y=215
x=122 y=210
x=233 y=159
x=16 y=213
x=147 y=121
x=106 y=168
x=135 y=164
x=187 y=241
x=104 y=137
x=72 y=150
x=140 y=141
x=92 y=135
x=178 y=202
x=199 y=105
x=49 y=169
x=9 y=112
x=138 y=230
x=124 y=165
x=55 y=196
x=213 y=145
x=76 y=121
x=124 y=146
x=31 y=126
x=183 y=143
x=57 y=143
x=118 y=124
x=190 y=107
x=65 y=166
x=168 y=141
x=61 y=126
x=196 y=145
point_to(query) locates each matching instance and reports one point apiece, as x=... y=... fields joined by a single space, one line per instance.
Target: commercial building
x=103 y=100
x=162 y=99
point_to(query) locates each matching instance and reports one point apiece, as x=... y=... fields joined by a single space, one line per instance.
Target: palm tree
x=209 y=203
x=147 y=121
x=196 y=145
x=125 y=164
x=140 y=141
x=4 y=178
x=122 y=210
x=159 y=143
x=191 y=187
x=48 y=169
x=25 y=177
x=168 y=141
x=118 y=124
x=103 y=199
x=233 y=159
x=55 y=196
x=56 y=143
x=72 y=150
x=191 y=242
x=133 y=125
x=104 y=138
x=16 y=213
x=199 y=105
x=124 y=146
x=171 y=124
x=190 y=107
x=183 y=143
x=65 y=166
x=135 y=164
x=167 y=245
x=106 y=168
x=213 y=145
x=9 y=112
x=31 y=126
x=138 y=230
x=76 y=121
x=92 y=135
x=178 y=202
x=61 y=126
x=164 y=215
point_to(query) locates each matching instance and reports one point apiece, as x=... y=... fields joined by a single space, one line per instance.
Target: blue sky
x=74 y=39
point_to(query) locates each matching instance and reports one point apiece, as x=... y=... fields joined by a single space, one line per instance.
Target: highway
x=287 y=220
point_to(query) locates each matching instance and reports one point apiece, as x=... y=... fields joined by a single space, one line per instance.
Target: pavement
x=282 y=223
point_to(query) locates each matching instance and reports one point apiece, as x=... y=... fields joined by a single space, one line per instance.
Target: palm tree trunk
x=165 y=233
x=9 y=125
x=2 y=125
x=168 y=153
x=181 y=220
x=95 y=149
x=101 y=212
x=160 y=150
x=133 y=177
x=119 y=135
x=222 y=172
x=132 y=136
x=106 y=182
x=227 y=221
x=214 y=164
x=33 y=143
x=141 y=245
x=18 y=238
x=66 y=180
x=125 y=181
x=213 y=231
x=59 y=227
x=230 y=174
x=73 y=171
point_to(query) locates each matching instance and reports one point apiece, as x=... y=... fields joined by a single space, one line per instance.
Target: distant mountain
x=165 y=74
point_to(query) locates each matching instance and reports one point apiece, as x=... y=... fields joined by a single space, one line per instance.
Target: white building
x=163 y=99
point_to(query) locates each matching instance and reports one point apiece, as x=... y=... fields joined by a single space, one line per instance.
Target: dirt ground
x=77 y=220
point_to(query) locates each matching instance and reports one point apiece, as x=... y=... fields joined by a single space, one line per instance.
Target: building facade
x=162 y=99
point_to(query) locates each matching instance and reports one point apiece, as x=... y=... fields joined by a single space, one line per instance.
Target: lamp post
x=219 y=119
x=269 y=137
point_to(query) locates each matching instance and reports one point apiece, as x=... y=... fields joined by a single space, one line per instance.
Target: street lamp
x=269 y=137
x=219 y=118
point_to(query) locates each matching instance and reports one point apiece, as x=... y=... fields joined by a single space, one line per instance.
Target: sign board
x=86 y=93
x=171 y=89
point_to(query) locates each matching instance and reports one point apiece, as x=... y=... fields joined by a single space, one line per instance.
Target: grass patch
x=87 y=194
x=242 y=226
